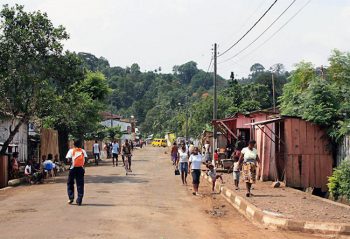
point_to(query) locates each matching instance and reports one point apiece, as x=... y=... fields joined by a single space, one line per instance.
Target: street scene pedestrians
x=195 y=119
x=152 y=203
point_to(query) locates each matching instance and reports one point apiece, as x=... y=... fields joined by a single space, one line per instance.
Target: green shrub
x=339 y=182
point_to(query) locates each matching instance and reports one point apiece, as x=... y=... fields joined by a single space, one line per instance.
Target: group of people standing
x=113 y=150
x=187 y=159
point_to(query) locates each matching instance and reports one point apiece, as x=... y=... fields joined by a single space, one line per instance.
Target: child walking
x=214 y=176
x=236 y=172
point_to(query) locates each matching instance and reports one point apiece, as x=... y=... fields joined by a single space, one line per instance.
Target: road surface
x=152 y=203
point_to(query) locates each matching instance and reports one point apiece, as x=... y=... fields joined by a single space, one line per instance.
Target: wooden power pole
x=273 y=93
x=215 y=103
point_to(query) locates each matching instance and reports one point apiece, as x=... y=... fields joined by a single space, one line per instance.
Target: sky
x=164 y=33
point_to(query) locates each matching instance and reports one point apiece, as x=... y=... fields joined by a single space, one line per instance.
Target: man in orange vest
x=77 y=157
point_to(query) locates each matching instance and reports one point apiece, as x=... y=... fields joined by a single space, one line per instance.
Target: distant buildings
x=127 y=126
x=20 y=141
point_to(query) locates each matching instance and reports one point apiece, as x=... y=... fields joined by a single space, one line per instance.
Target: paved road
x=149 y=204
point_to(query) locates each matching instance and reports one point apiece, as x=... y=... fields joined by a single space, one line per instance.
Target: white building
x=20 y=141
x=112 y=120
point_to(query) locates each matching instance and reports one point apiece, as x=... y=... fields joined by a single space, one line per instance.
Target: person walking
x=115 y=152
x=183 y=163
x=77 y=157
x=107 y=148
x=174 y=153
x=207 y=150
x=190 y=148
x=249 y=157
x=96 y=151
x=196 y=160
x=240 y=144
x=127 y=155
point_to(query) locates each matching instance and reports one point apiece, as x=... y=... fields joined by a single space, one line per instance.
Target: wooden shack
x=49 y=142
x=291 y=149
x=240 y=124
x=294 y=151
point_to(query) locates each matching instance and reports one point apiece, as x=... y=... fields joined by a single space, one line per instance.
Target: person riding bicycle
x=127 y=154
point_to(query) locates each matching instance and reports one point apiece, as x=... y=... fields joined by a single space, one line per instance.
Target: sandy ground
x=290 y=203
x=152 y=203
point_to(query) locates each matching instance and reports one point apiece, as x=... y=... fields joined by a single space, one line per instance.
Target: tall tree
x=27 y=41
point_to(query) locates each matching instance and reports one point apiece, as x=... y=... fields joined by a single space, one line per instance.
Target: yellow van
x=159 y=143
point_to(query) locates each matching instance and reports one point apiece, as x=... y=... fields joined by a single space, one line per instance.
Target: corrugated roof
x=266 y=121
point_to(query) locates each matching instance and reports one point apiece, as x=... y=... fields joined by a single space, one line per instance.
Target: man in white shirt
x=77 y=157
x=96 y=152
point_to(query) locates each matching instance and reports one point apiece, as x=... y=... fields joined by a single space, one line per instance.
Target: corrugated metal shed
x=295 y=151
x=291 y=149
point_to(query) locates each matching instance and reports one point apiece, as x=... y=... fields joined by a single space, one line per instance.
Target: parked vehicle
x=159 y=143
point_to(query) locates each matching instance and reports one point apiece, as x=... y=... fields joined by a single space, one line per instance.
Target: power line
x=285 y=10
x=234 y=35
x=277 y=31
x=209 y=67
x=249 y=29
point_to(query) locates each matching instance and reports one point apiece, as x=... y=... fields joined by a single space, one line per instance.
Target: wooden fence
x=49 y=142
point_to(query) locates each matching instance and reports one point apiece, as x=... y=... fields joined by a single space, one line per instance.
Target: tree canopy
x=27 y=43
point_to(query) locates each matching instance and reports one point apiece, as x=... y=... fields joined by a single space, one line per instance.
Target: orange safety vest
x=78 y=157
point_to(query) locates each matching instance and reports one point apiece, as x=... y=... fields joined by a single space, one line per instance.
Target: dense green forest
x=159 y=100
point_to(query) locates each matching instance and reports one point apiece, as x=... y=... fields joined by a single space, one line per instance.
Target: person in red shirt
x=216 y=158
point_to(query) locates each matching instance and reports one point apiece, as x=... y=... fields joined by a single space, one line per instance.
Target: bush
x=339 y=182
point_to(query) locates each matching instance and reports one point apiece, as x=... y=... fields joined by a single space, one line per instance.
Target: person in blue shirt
x=48 y=166
x=115 y=152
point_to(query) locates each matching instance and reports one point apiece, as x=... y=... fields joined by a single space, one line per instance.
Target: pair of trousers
x=97 y=158
x=115 y=156
x=76 y=174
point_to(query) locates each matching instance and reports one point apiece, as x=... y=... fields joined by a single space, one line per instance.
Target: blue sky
x=164 y=33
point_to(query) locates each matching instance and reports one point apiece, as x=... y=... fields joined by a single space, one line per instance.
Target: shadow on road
x=266 y=195
x=108 y=179
x=98 y=205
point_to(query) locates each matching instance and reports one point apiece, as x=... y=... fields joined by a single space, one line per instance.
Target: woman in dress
x=249 y=157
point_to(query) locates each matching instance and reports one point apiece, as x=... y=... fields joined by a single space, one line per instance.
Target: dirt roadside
x=290 y=203
x=151 y=203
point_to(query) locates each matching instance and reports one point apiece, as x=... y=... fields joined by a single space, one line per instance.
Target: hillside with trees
x=159 y=100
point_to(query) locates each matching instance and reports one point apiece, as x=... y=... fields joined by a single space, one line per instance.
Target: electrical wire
x=251 y=43
x=209 y=67
x=277 y=31
x=238 y=32
x=251 y=28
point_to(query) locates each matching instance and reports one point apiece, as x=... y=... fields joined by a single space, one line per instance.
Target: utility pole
x=273 y=93
x=111 y=119
x=186 y=118
x=215 y=103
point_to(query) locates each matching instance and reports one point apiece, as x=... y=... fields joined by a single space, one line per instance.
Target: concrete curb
x=16 y=182
x=260 y=218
